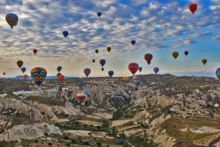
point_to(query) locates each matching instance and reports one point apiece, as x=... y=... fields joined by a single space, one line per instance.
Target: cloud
x=189 y=42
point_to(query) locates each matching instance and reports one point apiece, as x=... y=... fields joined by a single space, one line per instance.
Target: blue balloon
x=102 y=69
x=111 y=73
x=149 y=63
x=137 y=82
x=88 y=90
x=65 y=34
x=93 y=60
x=118 y=97
x=218 y=73
x=23 y=69
x=156 y=69
x=140 y=69
x=133 y=42
x=102 y=62
x=81 y=83
x=59 y=68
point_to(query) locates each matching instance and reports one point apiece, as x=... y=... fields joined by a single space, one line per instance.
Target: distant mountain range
x=48 y=77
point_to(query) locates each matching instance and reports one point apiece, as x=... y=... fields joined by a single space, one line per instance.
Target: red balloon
x=58 y=74
x=3 y=73
x=193 y=8
x=25 y=77
x=148 y=57
x=61 y=78
x=133 y=67
x=81 y=97
x=35 y=51
x=80 y=78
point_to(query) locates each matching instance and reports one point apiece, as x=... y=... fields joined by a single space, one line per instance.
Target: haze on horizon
x=159 y=27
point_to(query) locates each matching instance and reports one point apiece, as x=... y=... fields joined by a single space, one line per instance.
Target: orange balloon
x=25 y=77
x=125 y=78
x=61 y=78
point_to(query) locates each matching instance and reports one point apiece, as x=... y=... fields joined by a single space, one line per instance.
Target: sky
x=159 y=27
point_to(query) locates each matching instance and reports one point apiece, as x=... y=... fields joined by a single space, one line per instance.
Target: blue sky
x=159 y=27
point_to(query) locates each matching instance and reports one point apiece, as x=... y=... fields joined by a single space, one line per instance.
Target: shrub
x=98 y=143
x=66 y=137
x=49 y=143
x=36 y=141
x=45 y=134
x=73 y=141
x=67 y=144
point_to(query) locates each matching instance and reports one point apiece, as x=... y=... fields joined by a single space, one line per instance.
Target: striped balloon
x=87 y=71
x=11 y=19
x=109 y=94
x=148 y=57
x=111 y=73
x=133 y=67
x=38 y=74
x=19 y=63
x=81 y=97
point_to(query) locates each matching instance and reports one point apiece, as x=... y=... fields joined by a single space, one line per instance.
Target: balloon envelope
x=3 y=73
x=23 y=69
x=11 y=19
x=175 y=54
x=35 y=51
x=81 y=97
x=133 y=67
x=58 y=74
x=88 y=90
x=38 y=74
x=156 y=69
x=111 y=73
x=93 y=60
x=19 y=63
x=99 y=14
x=133 y=42
x=80 y=78
x=25 y=77
x=140 y=69
x=65 y=34
x=148 y=57
x=97 y=51
x=61 y=78
x=118 y=97
x=81 y=83
x=186 y=53
x=137 y=82
x=102 y=69
x=87 y=71
x=134 y=77
x=193 y=8
x=59 y=68
x=204 y=61
x=109 y=94
x=218 y=73
x=102 y=62
x=109 y=49
x=125 y=78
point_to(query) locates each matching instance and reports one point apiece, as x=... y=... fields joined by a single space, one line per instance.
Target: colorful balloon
x=133 y=42
x=193 y=8
x=59 y=68
x=25 y=77
x=23 y=69
x=111 y=73
x=125 y=78
x=109 y=94
x=99 y=14
x=133 y=67
x=96 y=51
x=156 y=69
x=81 y=97
x=65 y=34
x=137 y=82
x=93 y=60
x=102 y=69
x=61 y=78
x=35 y=51
x=148 y=57
x=175 y=54
x=109 y=49
x=186 y=53
x=38 y=74
x=11 y=19
x=204 y=61
x=102 y=62
x=58 y=74
x=118 y=97
x=19 y=63
x=140 y=69
x=218 y=73
x=87 y=71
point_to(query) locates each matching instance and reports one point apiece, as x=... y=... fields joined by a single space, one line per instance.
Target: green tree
x=114 y=131
x=98 y=143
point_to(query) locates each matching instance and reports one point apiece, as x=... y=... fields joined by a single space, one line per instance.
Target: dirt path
x=131 y=132
x=103 y=115
x=60 y=120
x=120 y=122
x=126 y=128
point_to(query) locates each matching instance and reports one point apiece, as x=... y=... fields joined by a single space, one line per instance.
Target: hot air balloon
x=193 y=8
x=23 y=69
x=80 y=78
x=61 y=78
x=58 y=74
x=137 y=82
x=134 y=77
x=186 y=53
x=175 y=54
x=140 y=69
x=133 y=42
x=96 y=51
x=125 y=78
x=133 y=67
x=35 y=51
x=148 y=57
x=87 y=71
x=204 y=61
x=16 y=24
x=109 y=49
x=111 y=73
x=59 y=68
x=88 y=90
x=102 y=69
x=118 y=97
x=102 y=62
x=81 y=83
x=65 y=34
x=19 y=63
x=156 y=69
x=25 y=77
x=11 y=19
x=81 y=97
x=38 y=74
x=218 y=73
x=3 y=73
x=99 y=14
x=109 y=94
x=93 y=60
x=148 y=63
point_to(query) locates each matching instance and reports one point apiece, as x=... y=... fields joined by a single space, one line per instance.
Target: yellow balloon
x=125 y=78
x=204 y=61
x=175 y=54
